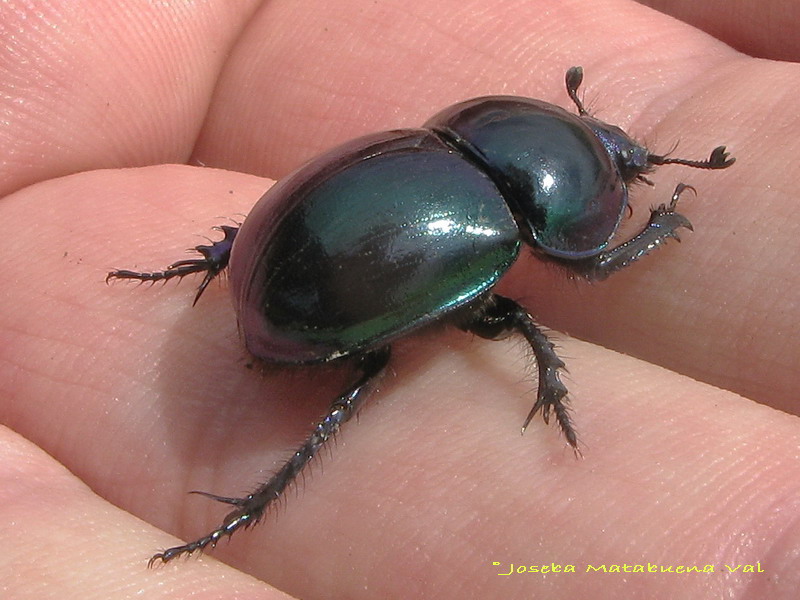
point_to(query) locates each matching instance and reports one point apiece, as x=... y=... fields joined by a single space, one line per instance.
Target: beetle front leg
x=251 y=508
x=663 y=224
x=501 y=316
x=215 y=260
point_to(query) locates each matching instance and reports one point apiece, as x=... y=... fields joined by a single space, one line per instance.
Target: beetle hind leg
x=500 y=317
x=215 y=260
x=251 y=508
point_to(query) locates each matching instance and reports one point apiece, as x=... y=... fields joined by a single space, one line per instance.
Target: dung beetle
x=397 y=230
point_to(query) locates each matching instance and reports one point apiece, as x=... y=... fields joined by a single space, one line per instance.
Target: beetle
x=396 y=230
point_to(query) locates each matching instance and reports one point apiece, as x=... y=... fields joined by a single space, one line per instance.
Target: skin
x=118 y=400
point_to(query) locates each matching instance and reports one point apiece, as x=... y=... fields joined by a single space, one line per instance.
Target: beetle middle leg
x=497 y=319
x=250 y=509
x=215 y=260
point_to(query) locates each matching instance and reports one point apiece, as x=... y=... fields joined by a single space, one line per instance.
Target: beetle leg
x=502 y=316
x=663 y=224
x=215 y=259
x=250 y=509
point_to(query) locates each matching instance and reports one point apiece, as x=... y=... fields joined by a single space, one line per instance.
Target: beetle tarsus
x=251 y=508
x=501 y=316
x=215 y=260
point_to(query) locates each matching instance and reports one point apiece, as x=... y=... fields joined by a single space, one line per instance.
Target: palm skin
x=119 y=400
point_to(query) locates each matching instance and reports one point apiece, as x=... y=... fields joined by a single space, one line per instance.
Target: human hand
x=143 y=398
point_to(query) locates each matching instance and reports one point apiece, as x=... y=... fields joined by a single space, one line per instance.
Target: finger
x=390 y=66
x=714 y=307
x=175 y=407
x=755 y=28
x=87 y=225
x=645 y=484
x=97 y=84
x=62 y=541
x=718 y=306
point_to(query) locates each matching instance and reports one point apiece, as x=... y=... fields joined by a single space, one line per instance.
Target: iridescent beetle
x=393 y=231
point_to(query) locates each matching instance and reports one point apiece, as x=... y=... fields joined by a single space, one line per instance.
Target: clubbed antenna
x=574 y=80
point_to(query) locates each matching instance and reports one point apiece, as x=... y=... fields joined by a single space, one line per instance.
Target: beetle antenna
x=719 y=159
x=574 y=79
